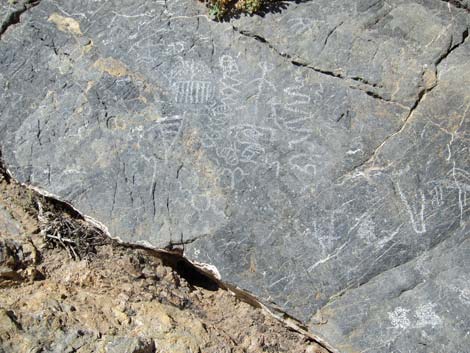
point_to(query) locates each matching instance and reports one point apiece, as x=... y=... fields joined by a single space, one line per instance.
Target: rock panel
x=303 y=154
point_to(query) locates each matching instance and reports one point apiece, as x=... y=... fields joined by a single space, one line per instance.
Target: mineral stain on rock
x=66 y=24
x=322 y=149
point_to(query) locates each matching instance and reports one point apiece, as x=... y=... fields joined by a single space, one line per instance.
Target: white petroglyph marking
x=421 y=266
x=416 y=217
x=386 y=239
x=169 y=129
x=464 y=294
x=191 y=84
x=300 y=99
x=449 y=153
x=426 y=316
x=193 y=92
x=350 y=152
x=294 y=142
x=399 y=318
x=229 y=81
x=307 y=168
x=251 y=140
x=293 y=114
x=300 y=25
x=366 y=230
x=175 y=48
x=235 y=175
x=263 y=84
x=229 y=66
x=462 y=188
x=437 y=198
x=329 y=257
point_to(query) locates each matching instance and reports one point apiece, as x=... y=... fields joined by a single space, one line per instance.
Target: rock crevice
x=14 y=12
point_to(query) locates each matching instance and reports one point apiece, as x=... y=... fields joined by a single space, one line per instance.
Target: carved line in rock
x=421 y=97
x=456 y=181
x=354 y=82
x=244 y=144
x=291 y=107
x=206 y=269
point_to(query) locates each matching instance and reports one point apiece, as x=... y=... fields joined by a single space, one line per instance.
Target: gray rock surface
x=317 y=157
x=11 y=10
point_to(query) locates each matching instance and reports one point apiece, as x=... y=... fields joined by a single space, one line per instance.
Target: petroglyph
x=175 y=48
x=165 y=132
x=265 y=89
x=422 y=266
x=193 y=92
x=462 y=184
x=230 y=88
x=292 y=112
x=328 y=239
x=251 y=141
x=463 y=293
x=387 y=238
x=300 y=25
x=231 y=177
x=423 y=316
x=192 y=83
x=366 y=230
x=229 y=155
x=305 y=152
x=399 y=318
x=416 y=213
x=301 y=163
x=426 y=316
x=300 y=101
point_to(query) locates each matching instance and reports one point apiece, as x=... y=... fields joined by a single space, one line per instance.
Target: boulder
x=316 y=156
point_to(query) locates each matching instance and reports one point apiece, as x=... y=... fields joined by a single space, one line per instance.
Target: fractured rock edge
x=356 y=83
x=457 y=4
x=207 y=270
x=15 y=17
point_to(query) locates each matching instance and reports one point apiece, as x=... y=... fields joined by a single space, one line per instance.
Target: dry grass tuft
x=77 y=238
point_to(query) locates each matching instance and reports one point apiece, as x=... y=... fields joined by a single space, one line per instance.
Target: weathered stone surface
x=8 y=224
x=387 y=48
x=11 y=10
x=10 y=262
x=130 y=345
x=304 y=154
x=421 y=306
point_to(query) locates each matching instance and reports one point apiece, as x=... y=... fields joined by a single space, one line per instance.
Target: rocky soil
x=60 y=296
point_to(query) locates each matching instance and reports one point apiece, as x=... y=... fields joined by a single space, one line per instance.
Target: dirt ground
x=64 y=287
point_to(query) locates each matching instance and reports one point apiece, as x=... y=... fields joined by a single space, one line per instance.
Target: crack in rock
x=207 y=270
x=15 y=16
x=421 y=96
x=353 y=81
x=457 y=4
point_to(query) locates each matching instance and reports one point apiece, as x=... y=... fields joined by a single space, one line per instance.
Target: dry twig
x=77 y=238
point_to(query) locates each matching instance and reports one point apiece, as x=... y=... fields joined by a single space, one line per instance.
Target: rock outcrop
x=317 y=157
x=114 y=298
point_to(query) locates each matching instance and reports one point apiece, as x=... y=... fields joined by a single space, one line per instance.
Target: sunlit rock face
x=317 y=156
